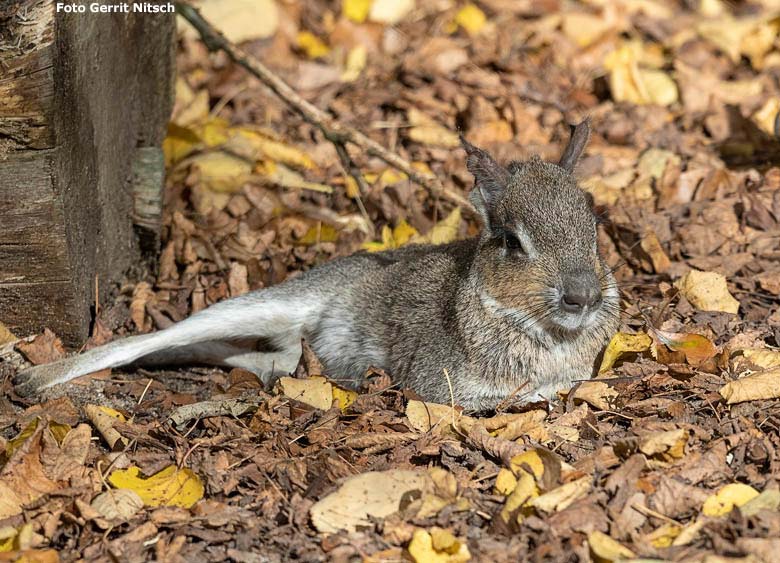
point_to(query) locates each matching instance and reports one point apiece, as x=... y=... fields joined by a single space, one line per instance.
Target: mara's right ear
x=580 y=134
x=490 y=180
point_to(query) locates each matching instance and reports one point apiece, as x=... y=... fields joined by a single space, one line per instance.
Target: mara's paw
x=32 y=381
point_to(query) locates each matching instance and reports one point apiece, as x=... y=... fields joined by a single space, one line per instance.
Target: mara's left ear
x=580 y=134
x=490 y=180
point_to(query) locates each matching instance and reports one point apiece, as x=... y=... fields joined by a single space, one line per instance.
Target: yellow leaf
x=280 y=175
x=506 y=482
x=179 y=142
x=422 y=549
x=356 y=62
x=666 y=446
x=528 y=460
x=631 y=83
x=607 y=549
x=525 y=491
x=623 y=343
x=222 y=172
x=728 y=497
x=169 y=487
x=765 y=116
x=315 y=391
x=427 y=131
x=442 y=232
x=400 y=235
x=257 y=146
x=471 y=19
x=356 y=10
x=664 y=536
x=707 y=291
x=563 y=496
x=6 y=335
x=351 y=187
x=113 y=413
x=12 y=539
x=319 y=233
x=312 y=45
x=58 y=430
x=343 y=397
x=756 y=387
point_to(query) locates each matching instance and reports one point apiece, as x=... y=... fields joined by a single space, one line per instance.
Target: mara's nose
x=581 y=291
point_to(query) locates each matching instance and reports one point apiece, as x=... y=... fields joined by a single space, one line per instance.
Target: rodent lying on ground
x=524 y=308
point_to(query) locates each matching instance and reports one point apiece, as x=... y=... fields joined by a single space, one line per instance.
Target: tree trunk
x=84 y=102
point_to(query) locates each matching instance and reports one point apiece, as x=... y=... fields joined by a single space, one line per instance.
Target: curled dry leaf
x=759 y=386
x=666 y=446
x=563 y=496
x=118 y=505
x=104 y=418
x=707 y=291
x=696 y=348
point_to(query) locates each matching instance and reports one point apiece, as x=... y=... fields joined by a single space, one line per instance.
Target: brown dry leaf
x=375 y=494
x=696 y=348
x=760 y=386
x=707 y=291
x=118 y=505
x=652 y=247
x=44 y=348
x=762 y=357
x=427 y=131
x=426 y=416
x=142 y=295
x=666 y=446
x=624 y=343
x=597 y=394
x=103 y=420
x=317 y=392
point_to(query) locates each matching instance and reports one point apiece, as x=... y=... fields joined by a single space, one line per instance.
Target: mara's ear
x=579 y=138
x=490 y=180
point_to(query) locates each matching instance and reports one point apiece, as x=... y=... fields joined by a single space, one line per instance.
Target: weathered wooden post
x=84 y=102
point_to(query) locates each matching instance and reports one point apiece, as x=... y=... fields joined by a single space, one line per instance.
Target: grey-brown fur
x=497 y=319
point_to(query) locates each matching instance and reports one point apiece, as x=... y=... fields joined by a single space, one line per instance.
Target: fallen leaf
x=317 y=392
x=563 y=496
x=6 y=335
x=623 y=343
x=471 y=19
x=312 y=45
x=666 y=446
x=607 y=549
x=355 y=63
x=762 y=357
x=356 y=10
x=597 y=394
x=707 y=291
x=221 y=172
x=425 y=416
x=170 y=487
x=390 y=12
x=44 y=348
x=238 y=20
x=374 y=494
x=118 y=505
x=395 y=238
x=769 y=499
x=696 y=348
x=584 y=29
x=442 y=232
x=727 y=498
x=438 y=546
x=760 y=386
x=427 y=131
x=630 y=82
x=277 y=173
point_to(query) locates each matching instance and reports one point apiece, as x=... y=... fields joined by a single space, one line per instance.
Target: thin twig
x=337 y=133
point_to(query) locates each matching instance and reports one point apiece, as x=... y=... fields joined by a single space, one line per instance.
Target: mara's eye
x=511 y=242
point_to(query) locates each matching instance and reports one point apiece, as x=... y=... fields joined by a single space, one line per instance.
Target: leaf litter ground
x=670 y=454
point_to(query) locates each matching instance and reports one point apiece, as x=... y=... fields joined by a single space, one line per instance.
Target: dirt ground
x=670 y=455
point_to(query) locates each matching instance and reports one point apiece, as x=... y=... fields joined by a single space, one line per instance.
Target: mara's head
x=538 y=258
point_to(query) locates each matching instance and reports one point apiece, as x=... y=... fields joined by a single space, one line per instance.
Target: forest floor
x=671 y=454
